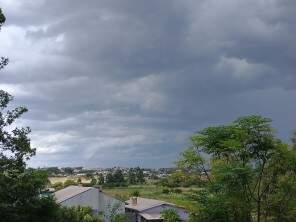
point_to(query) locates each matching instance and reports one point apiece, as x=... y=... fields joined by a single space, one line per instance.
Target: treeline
x=181 y=179
x=55 y=171
x=117 y=178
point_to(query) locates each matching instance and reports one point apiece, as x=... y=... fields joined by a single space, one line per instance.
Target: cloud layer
x=126 y=82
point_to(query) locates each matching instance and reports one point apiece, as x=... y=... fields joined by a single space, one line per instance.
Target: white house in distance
x=99 y=202
x=144 y=210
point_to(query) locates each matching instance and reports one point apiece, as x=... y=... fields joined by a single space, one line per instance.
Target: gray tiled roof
x=144 y=204
x=69 y=192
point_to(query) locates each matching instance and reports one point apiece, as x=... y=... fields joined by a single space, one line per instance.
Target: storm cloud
x=127 y=82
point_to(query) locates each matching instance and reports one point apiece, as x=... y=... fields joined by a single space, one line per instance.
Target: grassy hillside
x=155 y=192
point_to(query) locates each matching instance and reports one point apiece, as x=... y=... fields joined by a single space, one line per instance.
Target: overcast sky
x=127 y=82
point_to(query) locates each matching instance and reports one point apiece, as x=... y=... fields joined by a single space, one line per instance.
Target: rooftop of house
x=69 y=192
x=151 y=216
x=143 y=204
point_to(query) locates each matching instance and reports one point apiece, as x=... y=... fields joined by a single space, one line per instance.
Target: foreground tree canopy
x=250 y=173
x=20 y=199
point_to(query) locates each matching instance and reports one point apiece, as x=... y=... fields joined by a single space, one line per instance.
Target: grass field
x=54 y=180
x=156 y=192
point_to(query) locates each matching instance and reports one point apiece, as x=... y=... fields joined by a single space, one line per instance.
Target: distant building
x=98 y=201
x=144 y=210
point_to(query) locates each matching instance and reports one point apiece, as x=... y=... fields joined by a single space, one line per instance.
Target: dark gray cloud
x=126 y=82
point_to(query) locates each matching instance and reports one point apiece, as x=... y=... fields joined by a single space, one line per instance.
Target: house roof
x=151 y=216
x=69 y=192
x=145 y=204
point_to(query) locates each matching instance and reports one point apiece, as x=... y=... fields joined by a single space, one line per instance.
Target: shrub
x=166 y=191
x=170 y=215
x=135 y=193
x=69 y=183
x=178 y=190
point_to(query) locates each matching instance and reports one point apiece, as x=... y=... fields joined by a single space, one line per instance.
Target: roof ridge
x=76 y=194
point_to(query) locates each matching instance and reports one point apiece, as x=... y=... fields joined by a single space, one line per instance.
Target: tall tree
x=118 y=177
x=139 y=175
x=294 y=140
x=101 y=179
x=131 y=176
x=19 y=187
x=247 y=165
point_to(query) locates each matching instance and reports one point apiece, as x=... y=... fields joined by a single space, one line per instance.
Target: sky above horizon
x=125 y=83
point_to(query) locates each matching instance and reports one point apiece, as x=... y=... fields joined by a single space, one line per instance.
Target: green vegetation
x=69 y=183
x=251 y=174
x=181 y=179
x=242 y=170
x=76 y=214
x=135 y=193
x=115 y=179
x=135 y=176
x=170 y=215
x=114 y=216
x=20 y=188
x=184 y=199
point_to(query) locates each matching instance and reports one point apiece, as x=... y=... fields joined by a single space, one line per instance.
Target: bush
x=69 y=183
x=178 y=190
x=58 y=185
x=135 y=193
x=170 y=215
x=166 y=191
x=77 y=214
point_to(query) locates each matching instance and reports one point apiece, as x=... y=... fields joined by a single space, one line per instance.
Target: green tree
x=294 y=140
x=118 y=177
x=69 y=183
x=131 y=176
x=76 y=214
x=101 y=179
x=52 y=171
x=247 y=165
x=135 y=193
x=19 y=188
x=68 y=170
x=58 y=185
x=93 y=181
x=109 y=178
x=89 y=175
x=113 y=214
x=170 y=215
x=140 y=179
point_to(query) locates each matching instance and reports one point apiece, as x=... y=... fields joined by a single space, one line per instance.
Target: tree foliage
x=19 y=188
x=101 y=179
x=115 y=179
x=76 y=214
x=294 y=140
x=113 y=214
x=250 y=172
x=135 y=176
